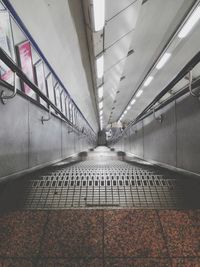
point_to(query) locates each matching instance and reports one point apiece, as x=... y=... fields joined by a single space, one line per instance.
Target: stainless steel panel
x=45 y=139
x=188 y=133
x=13 y=136
x=160 y=138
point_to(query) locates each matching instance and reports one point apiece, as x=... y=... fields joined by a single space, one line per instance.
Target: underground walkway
x=101 y=210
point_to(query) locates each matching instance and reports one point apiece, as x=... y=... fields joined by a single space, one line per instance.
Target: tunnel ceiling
x=141 y=29
x=135 y=35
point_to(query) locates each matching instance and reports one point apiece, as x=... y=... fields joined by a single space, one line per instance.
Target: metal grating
x=101 y=181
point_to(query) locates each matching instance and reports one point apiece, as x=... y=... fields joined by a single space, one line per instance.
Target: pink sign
x=25 y=58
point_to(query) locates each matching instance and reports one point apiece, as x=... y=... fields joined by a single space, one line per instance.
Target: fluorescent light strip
x=100 y=92
x=133 y=101
x=148 y=81
x=163 y=61
x=190 y=23
x=128 y=107
x=99 y=14
x=100 y=66
x=139 y=93
x=101 y=105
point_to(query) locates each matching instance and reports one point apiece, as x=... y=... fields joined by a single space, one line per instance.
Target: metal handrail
x=5 y=97
x=148 y=110
x=159 y=118
x=190 y=86
x=13 y=66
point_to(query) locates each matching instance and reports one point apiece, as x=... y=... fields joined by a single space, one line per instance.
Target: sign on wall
x=40 y=79
x=6 y=43
x=26 y=64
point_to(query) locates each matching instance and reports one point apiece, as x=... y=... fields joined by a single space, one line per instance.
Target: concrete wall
x=174 y=142
x=26 y=143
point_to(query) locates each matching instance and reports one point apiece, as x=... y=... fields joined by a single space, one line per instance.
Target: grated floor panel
x=103 y=180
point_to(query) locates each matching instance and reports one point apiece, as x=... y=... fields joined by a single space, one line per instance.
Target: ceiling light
x=101 y=112
x=193 y=19
x=100 y=92
x=101 y=105
x=99 y=14
x=125 y=112
x=100 y=66
x=148 y=81
x=163 y=60
x=129 y=107
x=133 y=101
x=139 y=93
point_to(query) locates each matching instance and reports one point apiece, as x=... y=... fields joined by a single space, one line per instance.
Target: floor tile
x=133 y=233
x=124 y=262
x=186 y=262
x=20 y=233
x=74 y=233
x=182 y=231
x=15 y=263
x=71 y=263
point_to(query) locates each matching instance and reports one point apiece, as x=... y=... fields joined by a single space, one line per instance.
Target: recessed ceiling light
x=139 y=93
x=101 y=105
x=129 y=107
x=190 y=23
x=148 y=81
x=133 y=101
x=100 y=66
x=100 y=92
x=163 y=60
x=99 y=14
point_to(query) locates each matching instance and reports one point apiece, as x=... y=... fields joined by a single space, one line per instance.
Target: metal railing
x=89 y=133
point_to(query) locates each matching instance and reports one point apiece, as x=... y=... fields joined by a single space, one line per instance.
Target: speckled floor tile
x=74 y=233
x=15 y=263
x=71 y=263
x=133 y=233
x=182 y=231
x=124 y=262
x=186 y=262
x=20 y=233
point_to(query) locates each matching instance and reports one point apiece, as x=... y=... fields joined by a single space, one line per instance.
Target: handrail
x=5 y=97
x=190 y=86
x=43 y=119
x=148 y=110
x=12 y=65
x=159 y=118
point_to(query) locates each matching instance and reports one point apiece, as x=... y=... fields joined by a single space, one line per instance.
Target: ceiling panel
x=148 y=41
x=113 y=7
x=124 y=23
x=117 y=52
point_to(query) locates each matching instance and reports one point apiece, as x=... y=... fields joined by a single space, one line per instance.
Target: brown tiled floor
x=100 y=238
